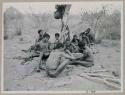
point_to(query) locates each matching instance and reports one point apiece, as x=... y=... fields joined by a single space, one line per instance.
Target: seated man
x=75 y=40
x=88 y=36
x=44 y=49
x=57 y=40
x=85 y=39
x=57 y=60
x=36 y=47
x=71 y=46
x=87 y=58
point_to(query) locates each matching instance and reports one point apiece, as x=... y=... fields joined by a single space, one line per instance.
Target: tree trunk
x=65 y=27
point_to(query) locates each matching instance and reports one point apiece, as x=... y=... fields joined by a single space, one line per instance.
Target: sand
x=19 y=77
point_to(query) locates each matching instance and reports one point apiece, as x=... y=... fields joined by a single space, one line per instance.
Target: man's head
x=75 y=37
x=40 y=32
x=57 y=36
x=46 y=37
x=87 y=31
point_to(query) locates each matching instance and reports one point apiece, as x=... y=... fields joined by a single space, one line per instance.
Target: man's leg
x=86 y=63
x=59 y=69
x=44 y=59
x=62 y=66
x=40 y=61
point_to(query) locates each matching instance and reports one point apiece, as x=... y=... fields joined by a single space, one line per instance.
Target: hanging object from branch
x=60 y=10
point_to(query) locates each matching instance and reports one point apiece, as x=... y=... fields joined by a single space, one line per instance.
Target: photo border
x=61 y=92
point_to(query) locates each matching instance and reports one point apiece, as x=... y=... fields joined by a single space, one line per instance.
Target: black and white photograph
x=62 y=46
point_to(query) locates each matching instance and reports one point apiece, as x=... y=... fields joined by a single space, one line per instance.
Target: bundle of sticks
x=99 y=77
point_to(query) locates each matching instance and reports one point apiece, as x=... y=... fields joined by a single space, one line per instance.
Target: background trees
x=105 y=25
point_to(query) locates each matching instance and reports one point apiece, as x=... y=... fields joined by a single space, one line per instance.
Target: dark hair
x=81 y=45
x=74 y=35
x=59 y=45
x=39 y=31
x=73 y=40
x=46 y=35
x=87 y=31
x=57 y=34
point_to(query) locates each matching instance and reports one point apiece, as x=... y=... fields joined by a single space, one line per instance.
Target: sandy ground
x=16 y=79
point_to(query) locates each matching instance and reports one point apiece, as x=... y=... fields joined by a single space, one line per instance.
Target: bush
x=108 y=25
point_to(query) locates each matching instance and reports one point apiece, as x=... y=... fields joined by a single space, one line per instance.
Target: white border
x=2 y=53
x=89 y=91
x=122 y=60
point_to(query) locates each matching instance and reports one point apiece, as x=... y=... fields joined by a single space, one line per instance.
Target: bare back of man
x=85 y=60
x=57 y=61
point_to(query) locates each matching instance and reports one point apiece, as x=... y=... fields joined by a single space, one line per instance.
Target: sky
x=49 y=7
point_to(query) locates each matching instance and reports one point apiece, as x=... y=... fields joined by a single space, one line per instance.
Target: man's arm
x=75 y=47
x=68 y=55
x=88 y=41
x=88 y=51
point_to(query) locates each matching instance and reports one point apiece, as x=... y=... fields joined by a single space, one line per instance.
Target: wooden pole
x=64 y=21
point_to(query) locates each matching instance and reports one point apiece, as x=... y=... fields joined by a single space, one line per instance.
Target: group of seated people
x=56 y=56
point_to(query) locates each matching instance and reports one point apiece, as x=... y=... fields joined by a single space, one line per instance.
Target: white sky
x=41 y=7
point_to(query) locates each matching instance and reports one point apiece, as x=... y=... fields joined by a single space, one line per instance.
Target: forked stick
x=111 y=84
x=96 y=71
x=99 y=75
x=101 y=80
